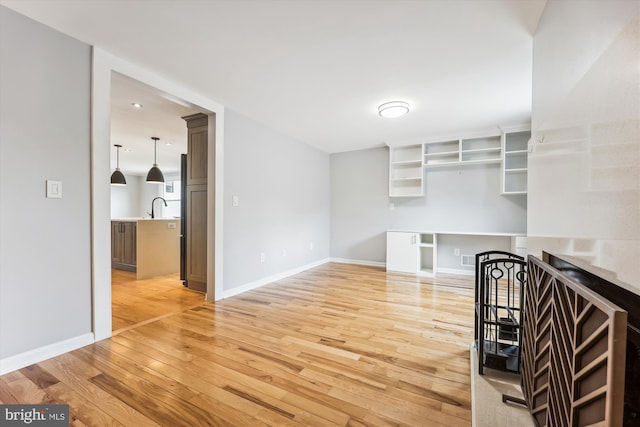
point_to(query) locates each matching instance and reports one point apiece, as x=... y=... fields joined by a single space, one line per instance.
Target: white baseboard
x=456 y=271
x=270 y=279
x=19 y=361
x=358 y=262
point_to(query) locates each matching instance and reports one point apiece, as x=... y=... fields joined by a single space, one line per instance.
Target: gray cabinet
x=123 y=245
x=196 y=202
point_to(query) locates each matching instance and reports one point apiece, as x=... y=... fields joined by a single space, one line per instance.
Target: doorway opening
x=146 y=218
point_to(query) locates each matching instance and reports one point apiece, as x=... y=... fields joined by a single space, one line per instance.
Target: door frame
x=103 y=64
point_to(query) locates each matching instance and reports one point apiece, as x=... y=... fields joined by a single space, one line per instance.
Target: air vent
x=467 y=260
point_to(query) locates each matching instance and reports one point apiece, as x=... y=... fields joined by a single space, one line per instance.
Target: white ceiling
x=133 y=127
x=315 y=70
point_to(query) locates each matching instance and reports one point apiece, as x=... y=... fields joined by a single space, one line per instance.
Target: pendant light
x=117 y=177
x=155 y=174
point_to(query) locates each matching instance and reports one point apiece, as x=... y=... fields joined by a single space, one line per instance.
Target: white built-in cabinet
x=409 y=252
x=510 y=149
x=416 y=252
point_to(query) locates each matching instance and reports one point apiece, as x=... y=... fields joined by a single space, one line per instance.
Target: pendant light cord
x=155 y=149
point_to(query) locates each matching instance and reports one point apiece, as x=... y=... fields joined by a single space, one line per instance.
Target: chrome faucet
x=165 y=203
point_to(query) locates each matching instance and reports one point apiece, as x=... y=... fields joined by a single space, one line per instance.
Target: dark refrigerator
x=183 y=219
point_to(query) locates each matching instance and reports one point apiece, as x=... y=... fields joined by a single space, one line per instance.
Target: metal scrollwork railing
x=500 y=281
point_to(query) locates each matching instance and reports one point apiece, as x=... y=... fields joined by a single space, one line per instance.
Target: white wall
x=134 y=199
x=463 y=199
x=45 y=274
x=584 y=178
x=282 y=187
x=148 y=192
x=125 y=199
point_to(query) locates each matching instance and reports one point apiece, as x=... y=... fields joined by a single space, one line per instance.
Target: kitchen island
x=150 y=247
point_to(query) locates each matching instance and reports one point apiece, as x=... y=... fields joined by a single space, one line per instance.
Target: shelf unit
x=428 y=254
x=481 y=150
x=462 y=151
x=441 y=153
x=515 y=162
x=510 y=149
x=405 y=171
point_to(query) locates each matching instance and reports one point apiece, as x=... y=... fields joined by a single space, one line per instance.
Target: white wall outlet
x=284 y=252
x=456 y=251
x=310 y=246
x=235 y=201
x=263 y=257
x=171 y=225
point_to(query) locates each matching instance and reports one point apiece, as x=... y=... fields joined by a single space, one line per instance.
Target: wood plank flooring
x=137 y=301
x=337 y=345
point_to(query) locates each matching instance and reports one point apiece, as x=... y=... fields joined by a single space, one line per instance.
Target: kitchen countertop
x=144 y=219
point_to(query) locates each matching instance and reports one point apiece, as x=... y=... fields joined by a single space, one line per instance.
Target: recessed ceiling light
x=136 y=105
x=393 y=109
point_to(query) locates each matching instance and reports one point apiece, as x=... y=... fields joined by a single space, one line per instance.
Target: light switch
x=171 y=225
x=235 y=201
x=54 y=189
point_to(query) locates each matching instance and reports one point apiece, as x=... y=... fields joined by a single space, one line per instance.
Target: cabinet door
x=196 y=201
x=402 y=252
x=129 y=243
x=116 y=242
x=196 y=264
x=197 y=156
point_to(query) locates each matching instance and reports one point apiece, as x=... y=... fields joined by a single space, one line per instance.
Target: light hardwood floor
x=336 y=345
x=138 y=301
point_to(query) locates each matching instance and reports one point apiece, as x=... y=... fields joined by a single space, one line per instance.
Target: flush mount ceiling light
x=117 y=177
x=155 y=174
x=393 y=109
x=136 y=105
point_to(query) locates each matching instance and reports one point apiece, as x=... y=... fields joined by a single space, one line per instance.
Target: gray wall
x=360 y=212
x=45 y=280
x=465 y=199
x=462 y=199
x=283 y=190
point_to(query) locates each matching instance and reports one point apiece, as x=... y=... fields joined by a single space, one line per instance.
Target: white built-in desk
x=429 y=252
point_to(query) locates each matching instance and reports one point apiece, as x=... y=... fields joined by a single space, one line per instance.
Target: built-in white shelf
x=510 y=149
x=405 y=171
x=515 y=149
